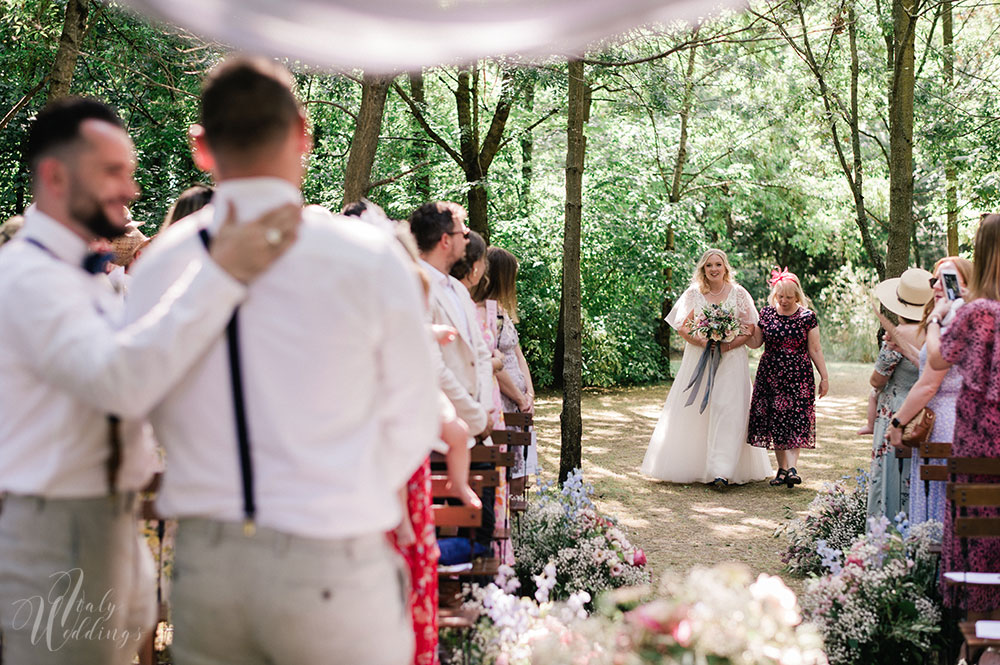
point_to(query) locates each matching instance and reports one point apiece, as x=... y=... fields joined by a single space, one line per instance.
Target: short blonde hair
x=700 y=280
x=788 y=282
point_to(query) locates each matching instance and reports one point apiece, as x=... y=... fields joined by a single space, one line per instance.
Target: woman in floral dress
x=517 y=392
x=972 y=344
x=783 y=407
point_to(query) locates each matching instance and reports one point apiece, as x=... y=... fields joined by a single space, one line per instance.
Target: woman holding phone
x=937 y=390
x=971 y=343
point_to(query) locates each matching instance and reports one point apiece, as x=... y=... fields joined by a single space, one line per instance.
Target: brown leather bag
x=919 y=429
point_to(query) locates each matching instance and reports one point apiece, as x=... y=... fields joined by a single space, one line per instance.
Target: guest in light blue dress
x=889 y=485
x=889 y=478
x=937 y=390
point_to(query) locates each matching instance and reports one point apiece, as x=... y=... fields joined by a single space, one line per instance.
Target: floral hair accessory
x=780 y=275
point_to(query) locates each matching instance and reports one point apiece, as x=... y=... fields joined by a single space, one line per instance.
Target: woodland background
x=844 y=139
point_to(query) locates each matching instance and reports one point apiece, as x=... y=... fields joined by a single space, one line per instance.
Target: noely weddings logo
x=66 y=615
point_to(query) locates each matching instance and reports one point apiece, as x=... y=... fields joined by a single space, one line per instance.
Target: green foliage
x=760 y=180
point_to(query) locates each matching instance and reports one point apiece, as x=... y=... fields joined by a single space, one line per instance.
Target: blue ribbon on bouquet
x=709 y=362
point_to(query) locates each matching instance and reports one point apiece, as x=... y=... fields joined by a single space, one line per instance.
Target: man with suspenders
x=287 y=444
x=76 y=582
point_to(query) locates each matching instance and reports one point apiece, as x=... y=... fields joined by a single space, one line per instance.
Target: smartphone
x=950 y=281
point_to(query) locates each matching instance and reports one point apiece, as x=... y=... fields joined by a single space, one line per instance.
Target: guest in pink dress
x=972 y=344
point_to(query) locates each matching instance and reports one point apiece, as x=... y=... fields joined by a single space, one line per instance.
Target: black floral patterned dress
x=783 y=407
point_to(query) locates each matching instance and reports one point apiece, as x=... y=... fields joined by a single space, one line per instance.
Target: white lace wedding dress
x=692 y=447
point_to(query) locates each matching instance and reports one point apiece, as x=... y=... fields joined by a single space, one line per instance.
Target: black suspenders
x=239 y=409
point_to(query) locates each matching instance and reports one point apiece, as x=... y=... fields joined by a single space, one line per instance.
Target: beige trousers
x=76 y=581
x=278 y=599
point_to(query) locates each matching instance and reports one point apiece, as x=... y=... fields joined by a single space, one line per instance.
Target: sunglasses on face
x=464 y=234
x=933 y=281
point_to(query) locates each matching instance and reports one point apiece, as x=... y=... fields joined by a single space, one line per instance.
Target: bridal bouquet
x=716 y=324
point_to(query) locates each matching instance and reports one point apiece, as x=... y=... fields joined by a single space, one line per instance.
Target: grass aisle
x=680 y=526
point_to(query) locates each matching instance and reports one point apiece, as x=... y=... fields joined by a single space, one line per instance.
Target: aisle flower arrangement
x=878 y=601
x=591 y=552
x=720 y=616
x=836 y=517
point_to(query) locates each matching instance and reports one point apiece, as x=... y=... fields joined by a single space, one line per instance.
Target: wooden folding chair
x=964 y=494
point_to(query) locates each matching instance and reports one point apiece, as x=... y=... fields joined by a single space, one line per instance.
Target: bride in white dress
x=709 y=447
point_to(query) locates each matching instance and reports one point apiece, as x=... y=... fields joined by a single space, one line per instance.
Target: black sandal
x=793 y=478
x=778 y=479
x=720 y=483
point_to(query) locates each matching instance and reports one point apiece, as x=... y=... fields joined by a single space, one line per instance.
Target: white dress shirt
x=65 y=365
x=340 y=394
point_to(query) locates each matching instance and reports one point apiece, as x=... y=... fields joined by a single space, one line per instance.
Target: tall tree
x=473 y=156
x=418 y=150
x=834 y=107
x=578 y=109
x=950 y=172
x=663 y=331
x=364 y=144
x=902 y=83
x=74 y=29
x=527 y=150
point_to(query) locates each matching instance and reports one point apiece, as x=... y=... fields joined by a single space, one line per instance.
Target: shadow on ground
x=681 y=526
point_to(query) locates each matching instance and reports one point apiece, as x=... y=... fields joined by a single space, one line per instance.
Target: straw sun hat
x=125 y=246
x=907 y=294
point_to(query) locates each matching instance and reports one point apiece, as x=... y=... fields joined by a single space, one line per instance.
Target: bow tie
x=96 y=262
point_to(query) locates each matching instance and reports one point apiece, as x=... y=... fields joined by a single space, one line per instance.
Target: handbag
x=919 y=429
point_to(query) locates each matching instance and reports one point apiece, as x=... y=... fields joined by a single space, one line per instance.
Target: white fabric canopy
x=391 y=35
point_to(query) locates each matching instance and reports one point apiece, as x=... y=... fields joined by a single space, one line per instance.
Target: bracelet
x=934 y=319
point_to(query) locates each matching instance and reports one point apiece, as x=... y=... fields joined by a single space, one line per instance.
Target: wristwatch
x=895 y=423
x=934 y=319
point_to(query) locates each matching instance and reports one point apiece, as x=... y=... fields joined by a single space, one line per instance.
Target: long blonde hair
x=962 y=266
x=700 y=280
x=985 y=282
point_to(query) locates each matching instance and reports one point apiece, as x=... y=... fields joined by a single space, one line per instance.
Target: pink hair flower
x=780 y=275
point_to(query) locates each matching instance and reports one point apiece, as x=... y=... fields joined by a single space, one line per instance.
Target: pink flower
x=682 y=632
x=639 y=557
x=617 y=570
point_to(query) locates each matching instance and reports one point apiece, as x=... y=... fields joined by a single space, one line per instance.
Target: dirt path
x=680 y=526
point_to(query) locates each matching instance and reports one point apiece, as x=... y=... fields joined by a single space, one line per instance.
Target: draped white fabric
x=391 y=35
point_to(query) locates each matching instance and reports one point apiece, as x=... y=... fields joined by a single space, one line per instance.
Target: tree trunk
x=857 y=189
x=664 y=330
x=559 y=355
x=418 y=152
x=74 y=29
x=570 y=454
x=469 y=149
x=901 y=138
x=950 y=174
x=527 y=148
x=357 y=176
x=473 y=158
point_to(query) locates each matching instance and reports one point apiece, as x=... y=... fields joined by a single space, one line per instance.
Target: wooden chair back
x=517 y=419
x=932 y=450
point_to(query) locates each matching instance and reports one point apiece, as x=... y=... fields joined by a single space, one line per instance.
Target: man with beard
x=75 y=580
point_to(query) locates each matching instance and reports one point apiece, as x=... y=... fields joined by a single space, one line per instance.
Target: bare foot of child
x=865 y=430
